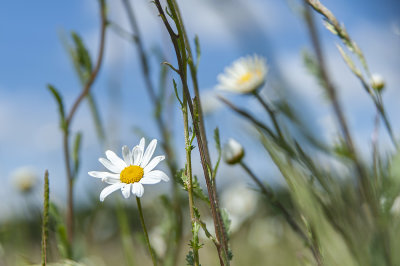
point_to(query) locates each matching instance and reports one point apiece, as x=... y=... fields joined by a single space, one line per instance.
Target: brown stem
x=177 y=40
x=68 y=120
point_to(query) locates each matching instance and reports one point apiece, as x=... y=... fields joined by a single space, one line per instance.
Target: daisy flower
x=132 y=172
x=245 y=75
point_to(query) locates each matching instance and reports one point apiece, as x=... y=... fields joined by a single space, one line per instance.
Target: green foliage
x=61 y=233
x=218 y=147
x=190 y=258
x=177 y=94
x=76 y=152
x=198 y=51
x=59 y=101
x=81 y=57
x=45 y=222
x=196 y=188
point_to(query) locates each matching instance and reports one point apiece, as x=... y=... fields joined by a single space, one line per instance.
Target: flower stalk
x=162 y=127
x=67 y=120
x=153 y=257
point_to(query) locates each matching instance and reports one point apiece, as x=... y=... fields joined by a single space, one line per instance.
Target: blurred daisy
x=25 y=179
x=131 y=173
x=240 y=202
x=209 y=102
x=245 y=75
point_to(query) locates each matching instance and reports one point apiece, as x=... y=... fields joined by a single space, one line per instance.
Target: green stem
x=153 y=257
x=45 y=230
x=189 y=182
x=271 y=113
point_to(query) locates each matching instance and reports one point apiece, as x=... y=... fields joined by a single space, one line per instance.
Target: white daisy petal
x=149 y=152
x=139 y=157
x=142 y=143
x=137 y=189
x=153 y=163
x=126 y=154
x=245 y=75
x=110 y=166
x=104 y=175
x=137 y=154
x=156 y=174
x=110 y=180
x=149 y=180
x=126 y=191
x=110 y=189
x=115 y=159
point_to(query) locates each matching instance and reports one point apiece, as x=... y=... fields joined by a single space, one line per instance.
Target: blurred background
x=33 y=54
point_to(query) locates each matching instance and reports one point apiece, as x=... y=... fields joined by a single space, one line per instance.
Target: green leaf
x=190 y=258
x=176 y=93
x=218 y=147
x=226 y=220
x=61 y=233
x=198 y=52
x=60 y=104
x=82 y=55
x=349 y=62
x=75 y=153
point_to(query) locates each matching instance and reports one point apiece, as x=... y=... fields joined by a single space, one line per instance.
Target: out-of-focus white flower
x=131 y=173
x=395 y=209
x=157 y=241
x=209 y=102
x=240 y=202
x=245 y=75
x=377 y=82
x=25 y=179
x=233 y=152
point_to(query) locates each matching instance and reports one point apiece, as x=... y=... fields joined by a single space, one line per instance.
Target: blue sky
x=32 y=55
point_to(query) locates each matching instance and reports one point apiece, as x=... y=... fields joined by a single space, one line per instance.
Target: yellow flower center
x=131 y=174
x=245 y=78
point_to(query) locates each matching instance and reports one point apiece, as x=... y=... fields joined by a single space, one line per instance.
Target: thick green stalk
x=45 y=222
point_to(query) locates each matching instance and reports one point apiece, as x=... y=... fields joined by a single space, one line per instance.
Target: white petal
x=149 y=180
x=103 y=175
x=126 y=191
x=156 y=174
x=142 y=143
x=126 y=154
x=137 y=154
x=110 y=189
x=115 y=159
x=137 y=189
x=110 y=166
x=153 y=163
x=149 y=152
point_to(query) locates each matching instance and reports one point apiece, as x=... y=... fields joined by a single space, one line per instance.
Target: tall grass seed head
x=233 y=152
x=245 y=75
x=132 y=172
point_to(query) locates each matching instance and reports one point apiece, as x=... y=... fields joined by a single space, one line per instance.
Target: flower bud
x=377 y=82
x=233 y=152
